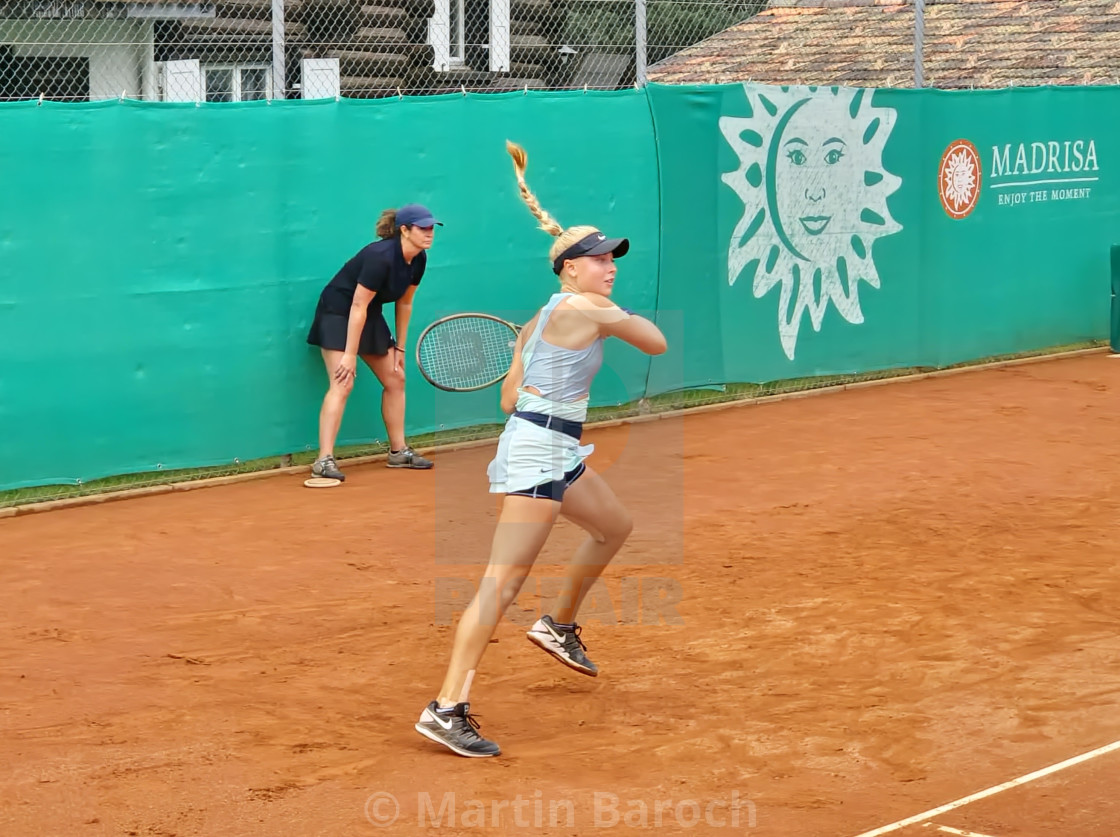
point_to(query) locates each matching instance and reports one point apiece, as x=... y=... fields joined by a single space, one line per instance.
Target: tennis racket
x=466 y=352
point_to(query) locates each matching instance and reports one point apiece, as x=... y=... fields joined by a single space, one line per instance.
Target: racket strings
x=467 y=352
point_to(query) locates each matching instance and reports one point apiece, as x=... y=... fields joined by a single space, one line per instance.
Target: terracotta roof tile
x=870 y=43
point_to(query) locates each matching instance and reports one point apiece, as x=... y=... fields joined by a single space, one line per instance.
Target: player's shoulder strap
x=531 y=341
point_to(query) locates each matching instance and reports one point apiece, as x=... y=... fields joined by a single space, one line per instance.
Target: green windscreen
x=160 y=263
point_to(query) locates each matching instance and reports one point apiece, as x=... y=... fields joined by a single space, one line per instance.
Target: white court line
x=1022 y=780
x=949 y=830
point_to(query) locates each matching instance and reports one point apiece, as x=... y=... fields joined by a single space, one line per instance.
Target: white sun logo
x=959 y=179
x=814 y=195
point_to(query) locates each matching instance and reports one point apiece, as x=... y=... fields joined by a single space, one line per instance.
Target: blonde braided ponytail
x=520 y=160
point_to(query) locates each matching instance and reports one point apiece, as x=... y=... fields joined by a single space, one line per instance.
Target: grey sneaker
x=565 y=645
x=406 y=457
x=327 y=467
x=455 y=730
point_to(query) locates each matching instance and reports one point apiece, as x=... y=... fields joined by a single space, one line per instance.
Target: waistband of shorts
x=565 y=426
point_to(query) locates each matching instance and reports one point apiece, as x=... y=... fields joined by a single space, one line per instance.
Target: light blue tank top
x=562 y=375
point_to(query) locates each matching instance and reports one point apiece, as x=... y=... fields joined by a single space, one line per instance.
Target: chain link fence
x=243 y=50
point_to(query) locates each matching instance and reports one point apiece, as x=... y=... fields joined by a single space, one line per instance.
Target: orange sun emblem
x=958 y=179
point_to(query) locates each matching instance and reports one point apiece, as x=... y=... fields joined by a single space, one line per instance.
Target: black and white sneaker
x=455 y=729
x=563 y=643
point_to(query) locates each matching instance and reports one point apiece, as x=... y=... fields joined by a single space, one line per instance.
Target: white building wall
x=119 y=51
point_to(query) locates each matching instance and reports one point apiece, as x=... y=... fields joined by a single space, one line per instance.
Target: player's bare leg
x=591 y=504
x=522 y=530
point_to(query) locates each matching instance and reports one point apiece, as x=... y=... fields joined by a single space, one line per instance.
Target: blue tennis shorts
x=553 y=489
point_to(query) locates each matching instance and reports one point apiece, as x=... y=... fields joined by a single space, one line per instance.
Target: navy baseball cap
x=414 y=214
x=595 y=244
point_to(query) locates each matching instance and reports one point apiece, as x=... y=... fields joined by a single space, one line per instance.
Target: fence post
x=279 y=73
x=919 y=40
x=640 y=41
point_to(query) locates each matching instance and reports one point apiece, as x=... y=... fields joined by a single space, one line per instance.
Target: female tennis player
x=539 y=466
x=349 y=324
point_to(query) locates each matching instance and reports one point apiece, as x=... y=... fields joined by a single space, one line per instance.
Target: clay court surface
x=834 y=613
